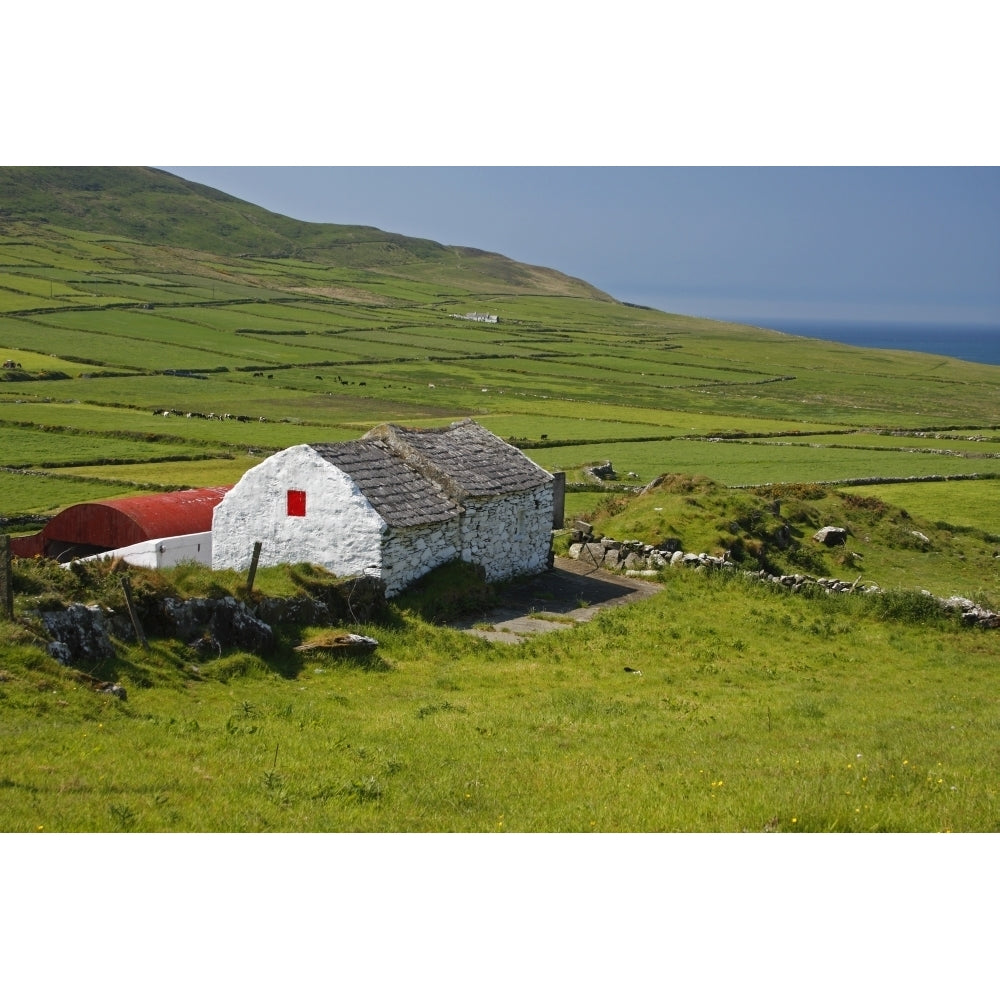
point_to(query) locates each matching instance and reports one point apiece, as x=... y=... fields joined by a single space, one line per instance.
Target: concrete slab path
x=573 y=591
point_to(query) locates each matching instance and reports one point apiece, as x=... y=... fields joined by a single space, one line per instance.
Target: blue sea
x=965 y=341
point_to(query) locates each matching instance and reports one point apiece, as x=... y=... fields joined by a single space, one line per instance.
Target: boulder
x=228 y=621
x=79 y=632
x=831 y=536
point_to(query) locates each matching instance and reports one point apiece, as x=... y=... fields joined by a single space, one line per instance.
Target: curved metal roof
x=111 y=524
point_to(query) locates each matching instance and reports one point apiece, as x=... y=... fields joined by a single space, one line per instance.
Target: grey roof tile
x=402 y=496
x=414 y=477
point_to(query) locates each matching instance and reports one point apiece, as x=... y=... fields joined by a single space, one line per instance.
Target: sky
x=907 y=244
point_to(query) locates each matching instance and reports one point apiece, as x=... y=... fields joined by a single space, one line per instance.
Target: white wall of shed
x=340 y=531
x=510 y=535
x=161 y=553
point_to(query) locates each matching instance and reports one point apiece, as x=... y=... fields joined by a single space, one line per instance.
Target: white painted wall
x=409 y=553
x=340 y=531
x=159 y=553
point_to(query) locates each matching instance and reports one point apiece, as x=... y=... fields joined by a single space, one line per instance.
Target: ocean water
x=965 y=341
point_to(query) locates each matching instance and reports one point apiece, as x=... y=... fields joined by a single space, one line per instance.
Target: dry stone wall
x=635 y=558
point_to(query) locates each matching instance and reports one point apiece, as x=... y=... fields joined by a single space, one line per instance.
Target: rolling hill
x=153 y=206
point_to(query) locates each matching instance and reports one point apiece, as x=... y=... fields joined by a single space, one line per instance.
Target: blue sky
x=913 y=244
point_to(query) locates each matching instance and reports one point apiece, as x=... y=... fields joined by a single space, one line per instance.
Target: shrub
x=906 y=606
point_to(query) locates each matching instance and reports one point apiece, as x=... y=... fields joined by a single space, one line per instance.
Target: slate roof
x=466 y=458
x=400 y=494
x=414 y=477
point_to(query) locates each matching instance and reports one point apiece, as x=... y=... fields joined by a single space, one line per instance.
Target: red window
x=296 y=503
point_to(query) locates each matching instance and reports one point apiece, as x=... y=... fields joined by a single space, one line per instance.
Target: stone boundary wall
x=635 y=558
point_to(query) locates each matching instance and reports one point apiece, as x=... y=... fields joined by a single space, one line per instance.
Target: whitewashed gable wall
x=340 y=529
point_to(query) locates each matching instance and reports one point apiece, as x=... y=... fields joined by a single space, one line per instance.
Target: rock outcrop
x=208 y=625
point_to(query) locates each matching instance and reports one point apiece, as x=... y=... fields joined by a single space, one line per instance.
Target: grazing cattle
x=257 y=374
x=320 y=377
x=270 y=376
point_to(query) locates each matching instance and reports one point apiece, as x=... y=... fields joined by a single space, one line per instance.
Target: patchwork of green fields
x=297 y=350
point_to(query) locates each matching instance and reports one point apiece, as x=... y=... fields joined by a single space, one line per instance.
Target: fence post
x=253 y=566
x=6 y=579
x=127 y=587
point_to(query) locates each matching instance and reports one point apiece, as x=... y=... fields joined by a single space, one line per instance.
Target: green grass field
x=751 y=712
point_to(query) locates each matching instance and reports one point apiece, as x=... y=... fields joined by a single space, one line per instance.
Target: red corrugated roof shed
x=86 y=528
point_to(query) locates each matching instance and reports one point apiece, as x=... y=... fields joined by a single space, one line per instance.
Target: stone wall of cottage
x=409 y=553
x=339 y=530
x=509 y=535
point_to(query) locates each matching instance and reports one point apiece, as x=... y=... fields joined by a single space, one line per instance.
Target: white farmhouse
x=394 y=504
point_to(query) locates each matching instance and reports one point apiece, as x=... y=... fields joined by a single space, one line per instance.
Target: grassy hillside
x=161 y=335
x=155 y=207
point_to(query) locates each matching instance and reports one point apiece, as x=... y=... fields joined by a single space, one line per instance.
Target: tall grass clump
x=450 y=591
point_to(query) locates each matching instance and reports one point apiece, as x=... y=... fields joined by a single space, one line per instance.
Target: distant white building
x=477 y=317
x=393 y=504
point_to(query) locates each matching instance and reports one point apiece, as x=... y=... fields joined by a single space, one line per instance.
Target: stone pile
x=972 y=613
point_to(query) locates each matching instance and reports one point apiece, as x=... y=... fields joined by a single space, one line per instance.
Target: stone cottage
x=393 y=504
